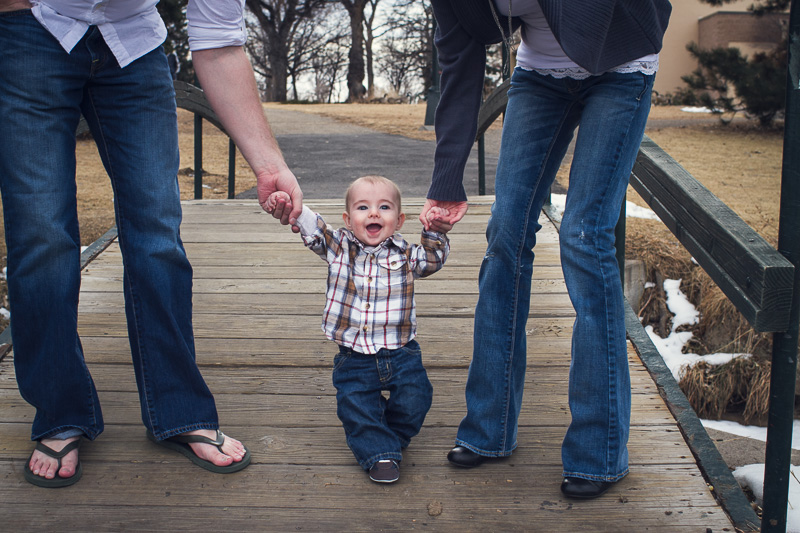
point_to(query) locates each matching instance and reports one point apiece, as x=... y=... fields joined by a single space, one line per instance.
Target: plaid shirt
x=370 y=296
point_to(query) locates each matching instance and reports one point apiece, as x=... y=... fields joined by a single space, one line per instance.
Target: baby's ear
x=346 y=218
x=400 y=219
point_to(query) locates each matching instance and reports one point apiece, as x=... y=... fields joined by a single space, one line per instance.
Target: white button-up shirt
x=132 y=28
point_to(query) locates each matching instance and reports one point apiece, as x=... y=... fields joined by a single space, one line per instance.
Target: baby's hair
x=374 y=180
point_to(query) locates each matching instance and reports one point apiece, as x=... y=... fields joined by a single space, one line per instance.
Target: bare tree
x=318 y=43
x=329 y=61
x=274 y=40
x=407 y=52
x=328 y=70
x=372 y=32
x=355 y=68
x=400 y=64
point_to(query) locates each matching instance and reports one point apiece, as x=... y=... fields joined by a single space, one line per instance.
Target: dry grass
x=739 y=385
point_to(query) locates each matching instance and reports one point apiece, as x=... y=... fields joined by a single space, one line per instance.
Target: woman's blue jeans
x=377 y=427
x=132 y=117
x=542 y=115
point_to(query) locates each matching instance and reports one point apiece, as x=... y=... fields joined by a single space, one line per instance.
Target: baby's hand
x=438 y=217
x=277 y=203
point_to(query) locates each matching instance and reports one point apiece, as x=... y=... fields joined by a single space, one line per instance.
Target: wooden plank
x=543 y=381
x=326 y=445
x=314 y=271
x=289 y=352
x=281 y=254
x=290 y=410
x=265 y=498
x=295 y=286
x=221 y=303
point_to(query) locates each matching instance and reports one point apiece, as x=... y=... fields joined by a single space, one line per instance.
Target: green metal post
x=435 y=90
x=482 y=140
x=231 y=169
x=198 y=157
x=481 y=165
x=619 y=242
x=784 y=347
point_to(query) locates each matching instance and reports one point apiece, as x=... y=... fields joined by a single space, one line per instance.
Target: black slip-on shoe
x=465 y=458
x=584 y=489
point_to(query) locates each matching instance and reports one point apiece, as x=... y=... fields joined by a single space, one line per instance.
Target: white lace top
x=540 y=51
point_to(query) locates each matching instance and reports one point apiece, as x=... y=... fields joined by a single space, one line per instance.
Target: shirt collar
x=396 y=240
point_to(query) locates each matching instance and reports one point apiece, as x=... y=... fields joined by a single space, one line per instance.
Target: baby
x=370 y=313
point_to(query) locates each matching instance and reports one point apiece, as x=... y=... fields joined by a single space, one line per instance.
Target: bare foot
x=232 y=450
x=47 y=467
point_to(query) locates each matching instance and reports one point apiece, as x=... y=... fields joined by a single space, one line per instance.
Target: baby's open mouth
x=374 y=228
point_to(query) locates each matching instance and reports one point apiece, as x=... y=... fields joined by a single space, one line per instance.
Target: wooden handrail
x=753 y=275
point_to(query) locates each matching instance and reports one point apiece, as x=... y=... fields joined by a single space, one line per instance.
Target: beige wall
x=674 y=60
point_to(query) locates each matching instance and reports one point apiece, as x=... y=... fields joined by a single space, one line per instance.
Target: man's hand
x=441 y=216
x=285 y=206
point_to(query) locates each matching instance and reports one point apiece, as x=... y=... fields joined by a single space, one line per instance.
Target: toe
x=209 y=452
x=233 y=448
x=45 y=466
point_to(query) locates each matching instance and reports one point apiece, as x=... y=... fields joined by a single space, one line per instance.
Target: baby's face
x=374 y=214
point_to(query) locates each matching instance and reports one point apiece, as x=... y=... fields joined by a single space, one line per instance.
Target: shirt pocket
x=393 y=271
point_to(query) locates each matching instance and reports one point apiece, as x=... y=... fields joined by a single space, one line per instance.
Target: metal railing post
x=198 y=157
x=231 y=169
x=434 y=92
x=481 y=165
x=784 y=347
x=482 y=140
x=619 y=241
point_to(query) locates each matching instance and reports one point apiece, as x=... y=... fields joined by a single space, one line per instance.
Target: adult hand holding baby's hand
x=437 y=218
x=276 y=203
x=279 y=205
x=441 y=216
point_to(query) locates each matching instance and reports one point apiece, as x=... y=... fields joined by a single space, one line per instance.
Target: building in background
x=713 y=27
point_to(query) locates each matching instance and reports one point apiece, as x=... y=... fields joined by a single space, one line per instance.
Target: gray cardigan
x=596 y=34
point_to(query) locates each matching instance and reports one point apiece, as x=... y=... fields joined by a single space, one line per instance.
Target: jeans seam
x=612 y=421
x=517 y=276
x=121 y=237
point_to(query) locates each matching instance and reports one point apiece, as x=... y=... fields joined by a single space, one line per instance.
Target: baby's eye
x=362 y=208
x=386 y=206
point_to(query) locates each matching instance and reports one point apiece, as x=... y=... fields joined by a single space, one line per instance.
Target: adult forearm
x=14 y=5
x=462 y=60
x=227 y=79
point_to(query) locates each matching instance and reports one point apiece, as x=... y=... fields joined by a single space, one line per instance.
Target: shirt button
x=366 y=306
x=369 y=278
x=365 y=328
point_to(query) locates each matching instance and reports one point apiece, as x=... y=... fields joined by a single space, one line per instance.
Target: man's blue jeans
x=378 y=428
x=131 y=114
x=542 y=115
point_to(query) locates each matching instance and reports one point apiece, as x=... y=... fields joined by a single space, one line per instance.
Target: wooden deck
x=257 y=303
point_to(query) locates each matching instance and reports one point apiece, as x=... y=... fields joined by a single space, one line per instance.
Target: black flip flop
x=180 y=444
x=57 y=481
